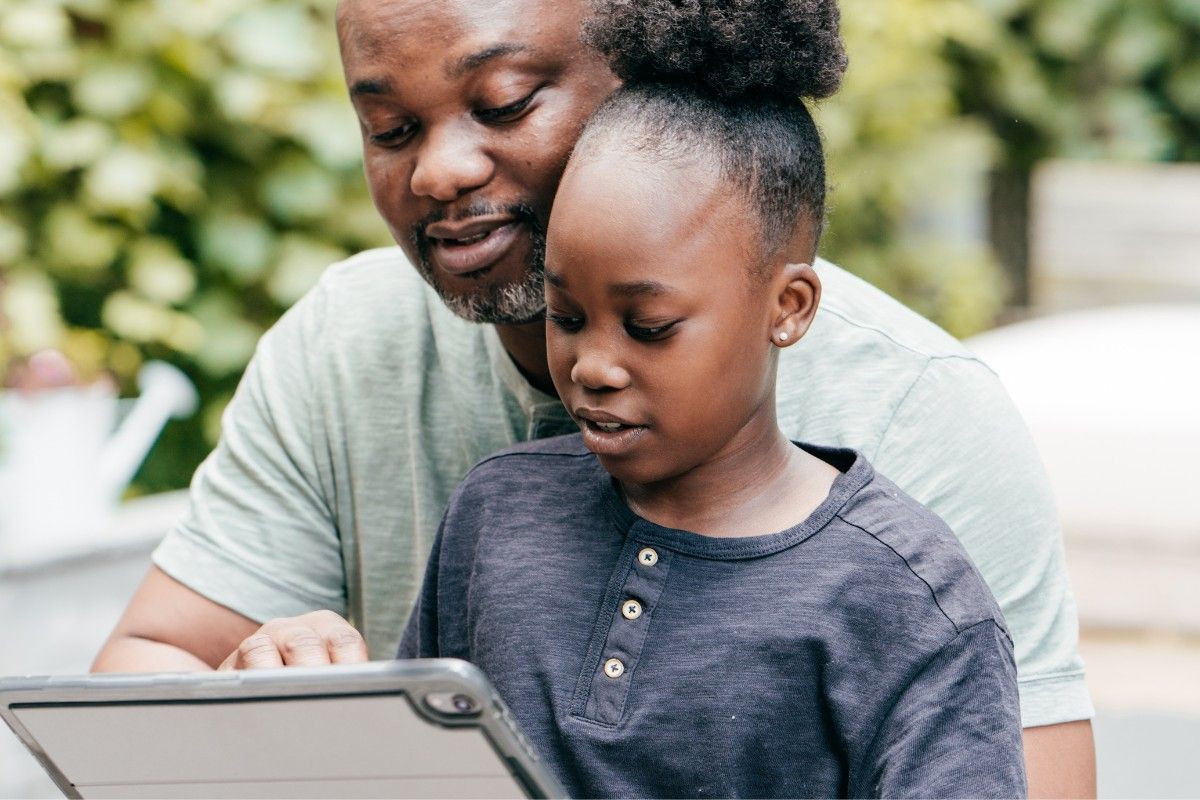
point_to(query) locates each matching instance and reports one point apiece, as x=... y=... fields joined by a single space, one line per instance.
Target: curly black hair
x=729 y=77
x=787 y=48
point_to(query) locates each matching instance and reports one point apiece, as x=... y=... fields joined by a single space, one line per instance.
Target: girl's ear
x=798 y=293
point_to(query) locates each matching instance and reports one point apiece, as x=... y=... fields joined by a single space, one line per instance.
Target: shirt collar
x=546 y=413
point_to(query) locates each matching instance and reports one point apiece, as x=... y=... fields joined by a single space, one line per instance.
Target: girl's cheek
x=559 y=356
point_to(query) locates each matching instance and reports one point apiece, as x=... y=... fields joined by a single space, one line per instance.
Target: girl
x=679 y=601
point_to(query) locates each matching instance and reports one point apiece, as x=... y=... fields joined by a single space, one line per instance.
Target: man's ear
x=797 y=295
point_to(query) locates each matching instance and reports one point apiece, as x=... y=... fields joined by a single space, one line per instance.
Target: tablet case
x=421 y=728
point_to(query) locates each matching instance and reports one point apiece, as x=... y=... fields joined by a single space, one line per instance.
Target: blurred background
x=1026 y=173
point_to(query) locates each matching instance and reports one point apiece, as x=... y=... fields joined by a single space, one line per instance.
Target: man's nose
x=450 y=163
x=597 y=368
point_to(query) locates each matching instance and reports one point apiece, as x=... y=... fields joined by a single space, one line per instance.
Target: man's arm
x=168 y=627
x=259 y=540
x=1060 y=760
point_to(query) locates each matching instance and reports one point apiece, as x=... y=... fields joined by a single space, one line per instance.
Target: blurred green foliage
x=1085 y=78
x=175 y=173
x=943 y=94
x=1117 y=79
x=899 y=151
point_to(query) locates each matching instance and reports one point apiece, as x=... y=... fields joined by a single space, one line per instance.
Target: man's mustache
x=521 y=212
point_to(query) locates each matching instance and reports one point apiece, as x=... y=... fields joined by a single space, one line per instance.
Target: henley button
x=648 y=556
x=631 y=609
x=613 y=668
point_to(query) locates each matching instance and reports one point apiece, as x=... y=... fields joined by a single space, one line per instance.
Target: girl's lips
x=474 y=253
x=604 y=442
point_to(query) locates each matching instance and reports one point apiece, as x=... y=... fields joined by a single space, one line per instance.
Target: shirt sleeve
x=954 y=730
x=957 y=445
x=259 y=536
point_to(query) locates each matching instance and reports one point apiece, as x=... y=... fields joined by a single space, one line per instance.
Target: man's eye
x=650 y=333
x=396 y=136
x=565 y=322
x=507 y=113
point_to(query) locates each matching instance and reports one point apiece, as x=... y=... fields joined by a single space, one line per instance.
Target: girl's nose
x=450 y=163
x=594 y=369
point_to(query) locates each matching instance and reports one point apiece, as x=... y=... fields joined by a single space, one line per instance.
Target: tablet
x=424 y=728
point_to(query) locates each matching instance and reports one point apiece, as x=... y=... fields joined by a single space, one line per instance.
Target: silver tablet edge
x=408 y=677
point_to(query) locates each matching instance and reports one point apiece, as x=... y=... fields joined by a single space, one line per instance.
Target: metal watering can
x=65 y=461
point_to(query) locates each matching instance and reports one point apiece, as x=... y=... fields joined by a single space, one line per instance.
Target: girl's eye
x=650 y=333
x=565 y=322
x=508 y=113
x=394 y=137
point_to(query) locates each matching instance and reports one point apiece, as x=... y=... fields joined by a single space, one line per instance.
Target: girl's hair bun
x=783 y=48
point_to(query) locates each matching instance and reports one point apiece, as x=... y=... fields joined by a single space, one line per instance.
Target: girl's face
x=660 y=331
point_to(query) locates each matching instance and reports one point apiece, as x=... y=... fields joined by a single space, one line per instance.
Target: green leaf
x=239 y=245
x=35 y=26
x=159 y=272
x=74 y=244
x=110 y=89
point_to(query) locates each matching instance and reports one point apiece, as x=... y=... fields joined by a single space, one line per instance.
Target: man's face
x=468 y=111
x=659 y=336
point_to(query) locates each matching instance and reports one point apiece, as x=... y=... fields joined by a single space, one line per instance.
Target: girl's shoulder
x=548 y=458
x=528 y=480
x=906 y=549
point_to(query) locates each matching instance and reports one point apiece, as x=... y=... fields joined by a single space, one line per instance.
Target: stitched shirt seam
x=966 y=356
x=919 y=576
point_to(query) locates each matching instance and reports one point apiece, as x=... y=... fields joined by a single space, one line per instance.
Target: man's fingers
x=302 y=647
x=255 y=652
x=314 y=639
x=343 y=643
x=230 y=662
x=347 y=647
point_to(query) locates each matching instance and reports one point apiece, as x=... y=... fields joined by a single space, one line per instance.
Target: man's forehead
x=371 y=29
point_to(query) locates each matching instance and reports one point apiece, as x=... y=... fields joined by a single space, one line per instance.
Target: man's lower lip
x=610 y=443
x=463 y=259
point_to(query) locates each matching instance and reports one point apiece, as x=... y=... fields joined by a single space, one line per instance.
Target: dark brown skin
x=433 y=142
x=409 y=48
x=664 y=317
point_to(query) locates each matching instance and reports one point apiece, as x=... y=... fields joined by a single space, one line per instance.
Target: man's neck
x=526 y=345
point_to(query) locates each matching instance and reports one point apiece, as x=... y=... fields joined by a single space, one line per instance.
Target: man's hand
x=309 y=640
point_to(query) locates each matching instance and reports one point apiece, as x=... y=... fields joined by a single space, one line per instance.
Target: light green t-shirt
x=368 y=402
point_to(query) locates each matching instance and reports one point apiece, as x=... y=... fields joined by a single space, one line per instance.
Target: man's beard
x=505 y=304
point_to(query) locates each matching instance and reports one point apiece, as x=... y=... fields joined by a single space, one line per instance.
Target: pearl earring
x=782 y=336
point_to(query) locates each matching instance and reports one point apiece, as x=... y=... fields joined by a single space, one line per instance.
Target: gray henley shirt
x=857 y=654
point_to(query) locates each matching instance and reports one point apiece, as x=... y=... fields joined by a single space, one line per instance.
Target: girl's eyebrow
x=629 y=289
x=638 y=288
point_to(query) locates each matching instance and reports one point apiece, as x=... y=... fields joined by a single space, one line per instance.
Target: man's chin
x=512 y=303
x=492 y=297
x=509 y=291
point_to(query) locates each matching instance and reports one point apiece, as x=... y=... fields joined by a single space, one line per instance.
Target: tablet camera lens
x=456 y=704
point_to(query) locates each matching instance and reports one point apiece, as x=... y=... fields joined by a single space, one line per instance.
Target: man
x=371 y=398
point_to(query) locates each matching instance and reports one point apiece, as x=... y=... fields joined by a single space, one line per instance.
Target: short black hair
x=729 y=78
